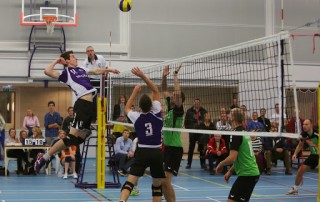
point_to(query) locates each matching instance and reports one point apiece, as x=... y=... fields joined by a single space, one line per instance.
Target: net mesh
x=256 y=74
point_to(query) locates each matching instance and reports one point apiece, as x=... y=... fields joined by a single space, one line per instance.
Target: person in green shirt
x=173 y=118
x=244 y=163
x=311 y=138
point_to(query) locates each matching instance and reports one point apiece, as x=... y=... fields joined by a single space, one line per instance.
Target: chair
x=6 y=163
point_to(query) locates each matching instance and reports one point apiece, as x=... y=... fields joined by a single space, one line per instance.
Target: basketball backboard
x=33 y=11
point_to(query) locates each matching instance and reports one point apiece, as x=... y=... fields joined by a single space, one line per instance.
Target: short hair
x=263 y=109
x=309 y=120
x=89 y=47
x=145 y=103
x=70 y=108
x=125 y=130
x=10 y=130
x=51 y=103
x=66 y=56
x=237 y=115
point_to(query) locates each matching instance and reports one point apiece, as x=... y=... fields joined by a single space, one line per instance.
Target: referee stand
x=92 y=142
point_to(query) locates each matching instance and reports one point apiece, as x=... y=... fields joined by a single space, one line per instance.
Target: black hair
x=66 y=56
x=51 y=102
x=145 y=103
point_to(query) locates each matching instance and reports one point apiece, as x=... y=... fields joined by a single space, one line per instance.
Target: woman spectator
x=36 y=134
x=30 y=121
x=17 y=153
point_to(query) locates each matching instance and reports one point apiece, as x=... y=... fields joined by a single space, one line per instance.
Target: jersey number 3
x=149 y=131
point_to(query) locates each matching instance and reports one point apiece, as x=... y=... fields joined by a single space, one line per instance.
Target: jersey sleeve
x=156 y=107
x=235 y=142
x=63 y=76
x=133 y=116
x=85 y=69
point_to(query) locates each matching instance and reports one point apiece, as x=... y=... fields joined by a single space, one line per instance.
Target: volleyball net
x=255 y=75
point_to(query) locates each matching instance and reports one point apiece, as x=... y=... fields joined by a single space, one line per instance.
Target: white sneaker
x=292 y=191
x=75 y=176
x=65 y=176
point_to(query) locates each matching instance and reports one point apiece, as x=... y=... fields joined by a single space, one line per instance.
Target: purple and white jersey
x=148 y=126
x=77 y=79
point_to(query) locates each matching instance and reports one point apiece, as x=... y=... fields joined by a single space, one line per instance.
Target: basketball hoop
x=50 y=22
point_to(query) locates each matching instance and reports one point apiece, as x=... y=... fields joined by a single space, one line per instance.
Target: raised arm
x=177 y=89
x=102 y=71
x=152 y=86
x=49 y=71
x=164 y=84
x=130 y=101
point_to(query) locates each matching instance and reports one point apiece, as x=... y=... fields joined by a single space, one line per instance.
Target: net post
x=101 y=150
x=318 y=199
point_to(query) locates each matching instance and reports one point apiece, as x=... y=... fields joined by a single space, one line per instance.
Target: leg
x=192 y=144
x=287 y=162
x=156 y=189
x=211 y=160
x=299 y=178
x=122 y=160
x=202 y=155
x=168 y=190
x=268 y=157
x=127 y=187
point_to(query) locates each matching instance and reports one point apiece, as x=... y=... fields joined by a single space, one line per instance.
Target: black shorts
x=83 y=114
x=172 y=159
x=148 y=157
x=312 y=161
x=243 y=187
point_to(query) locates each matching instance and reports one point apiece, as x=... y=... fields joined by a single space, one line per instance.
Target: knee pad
x=68 y=159
x=156 y=191
x=127 y=185
x=70 y=140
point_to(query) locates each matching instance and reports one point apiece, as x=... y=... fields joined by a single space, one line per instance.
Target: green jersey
x=312 y=141
x=245 y=164
x=173 y=119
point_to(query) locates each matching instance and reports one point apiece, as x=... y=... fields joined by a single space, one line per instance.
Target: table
x=25 y=147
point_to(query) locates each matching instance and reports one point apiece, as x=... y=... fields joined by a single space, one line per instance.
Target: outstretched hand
x=166 y=71
x=136 y=71
x=137 y=88
x=115 y=71
x=178 y=68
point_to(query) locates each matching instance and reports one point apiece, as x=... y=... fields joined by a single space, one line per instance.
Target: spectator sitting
x=123 y=152
x=276 y=148
x=36 y=134
x=257 y=146
x=17 y=153
x=117 y=128
x=30 y=121
x=254 y=124
x=68 y=157
x=22 y=136
x=216 y=150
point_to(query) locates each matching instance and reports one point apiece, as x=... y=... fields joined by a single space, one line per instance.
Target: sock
x=46 y=156
x=295 y=187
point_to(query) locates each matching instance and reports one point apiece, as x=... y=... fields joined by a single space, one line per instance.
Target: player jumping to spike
x=77 y=79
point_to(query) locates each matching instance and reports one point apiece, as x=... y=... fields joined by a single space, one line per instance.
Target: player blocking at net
x=77 y=79
x=148 y=126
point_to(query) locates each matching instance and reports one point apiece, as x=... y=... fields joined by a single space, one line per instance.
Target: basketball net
x=50 y=22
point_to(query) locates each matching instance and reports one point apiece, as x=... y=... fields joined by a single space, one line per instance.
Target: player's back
x=148 y=128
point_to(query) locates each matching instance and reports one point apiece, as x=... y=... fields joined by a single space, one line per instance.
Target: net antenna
x=50 y=21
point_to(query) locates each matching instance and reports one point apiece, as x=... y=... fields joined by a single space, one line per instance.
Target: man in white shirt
x=275 y=117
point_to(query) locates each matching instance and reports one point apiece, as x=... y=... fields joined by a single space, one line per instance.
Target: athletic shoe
x=288 y=173
x=65 y=176
x=39 y=163
x=292 y=191
x=188 y=166
x=135 y=192
x=75 y=176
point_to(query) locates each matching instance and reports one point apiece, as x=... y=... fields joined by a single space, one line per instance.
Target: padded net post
x=257 y=73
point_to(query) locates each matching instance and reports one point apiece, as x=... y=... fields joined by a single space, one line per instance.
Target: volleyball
x=125 y=5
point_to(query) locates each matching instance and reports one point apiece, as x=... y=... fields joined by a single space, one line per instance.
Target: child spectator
x=216 y=151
